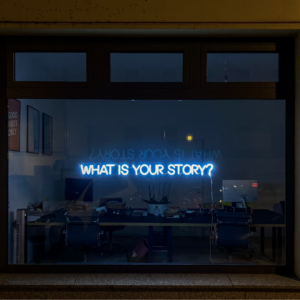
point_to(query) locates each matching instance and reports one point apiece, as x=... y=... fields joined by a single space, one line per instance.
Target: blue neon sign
x=146 y=169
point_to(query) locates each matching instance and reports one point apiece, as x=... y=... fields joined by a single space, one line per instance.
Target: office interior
x=243 y=140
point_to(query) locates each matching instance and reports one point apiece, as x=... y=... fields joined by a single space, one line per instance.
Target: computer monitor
x=79 y=189
x=241 y=191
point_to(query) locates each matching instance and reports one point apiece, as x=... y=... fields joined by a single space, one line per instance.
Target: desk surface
x=260 y=218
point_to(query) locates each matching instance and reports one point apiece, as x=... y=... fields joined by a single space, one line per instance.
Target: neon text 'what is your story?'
x=146 y=169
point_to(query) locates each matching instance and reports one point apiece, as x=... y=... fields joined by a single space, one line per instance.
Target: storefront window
x=149 y=181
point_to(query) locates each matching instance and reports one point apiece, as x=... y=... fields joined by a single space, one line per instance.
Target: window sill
x=132 y=286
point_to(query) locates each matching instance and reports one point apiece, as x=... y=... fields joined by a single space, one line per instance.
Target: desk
x=149 y=221
x=260 y=218
x=266 y=218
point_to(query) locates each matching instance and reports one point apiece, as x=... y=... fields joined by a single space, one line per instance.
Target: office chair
x=233 y=231
x=83 y=231
x=279 y=208
x=110 y=229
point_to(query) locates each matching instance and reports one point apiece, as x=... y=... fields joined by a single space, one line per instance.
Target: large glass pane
x=207 y=177
x=47 y=66
x=242 y=67
x=146 y=67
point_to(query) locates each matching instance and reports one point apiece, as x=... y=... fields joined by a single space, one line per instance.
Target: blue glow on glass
x=136 y=169
x=159 y=169
x=187 y=173
x=110 y=167
x=171 y=169
x=85 y=170
x=202 y=170
x=103 y=170
x=178 y=167
x=211 y=167
x=195 y=169
x=124 y=168
x=150 y=170
x=143 y=166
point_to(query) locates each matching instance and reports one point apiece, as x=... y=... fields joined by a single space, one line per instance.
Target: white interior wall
x=34 y=177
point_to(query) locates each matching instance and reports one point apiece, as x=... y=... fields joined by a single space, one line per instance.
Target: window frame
x=97 y=87
x=184 y=49
x=11 y=49
x=267 y=48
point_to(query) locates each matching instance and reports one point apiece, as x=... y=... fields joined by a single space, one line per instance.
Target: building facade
x=176 y=43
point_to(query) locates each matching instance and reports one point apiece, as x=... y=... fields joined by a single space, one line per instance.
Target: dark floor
x=187 y=250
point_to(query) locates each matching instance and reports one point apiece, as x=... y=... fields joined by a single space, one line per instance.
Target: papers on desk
x=137 y=213
x=174 y=217
x=101 y=208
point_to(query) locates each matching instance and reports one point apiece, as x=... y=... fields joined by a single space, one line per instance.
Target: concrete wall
x=149 y=14
x=150 y=11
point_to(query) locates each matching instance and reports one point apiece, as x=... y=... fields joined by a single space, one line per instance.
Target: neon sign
x=146 y=169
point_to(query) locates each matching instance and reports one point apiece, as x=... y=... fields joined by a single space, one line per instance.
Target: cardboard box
x=140 y=250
